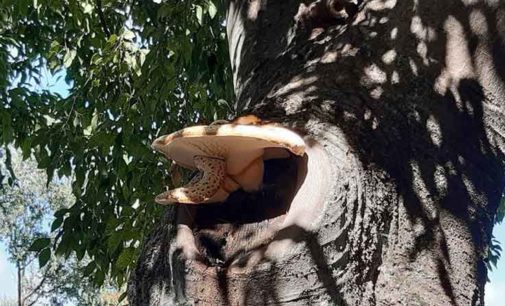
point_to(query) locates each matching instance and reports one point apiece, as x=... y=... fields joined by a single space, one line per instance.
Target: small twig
x=37 y=288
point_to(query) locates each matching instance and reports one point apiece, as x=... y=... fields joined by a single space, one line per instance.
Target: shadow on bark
x=388 y=83
x=263 y=290
x=148 y=284
x=419 y=125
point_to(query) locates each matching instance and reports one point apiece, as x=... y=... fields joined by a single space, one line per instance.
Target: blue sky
x=8 y=279
x=7 y=276
x=494 y=290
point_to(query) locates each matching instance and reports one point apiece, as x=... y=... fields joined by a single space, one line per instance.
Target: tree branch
x=102 y=18
x=40 y=295
x=37 y=288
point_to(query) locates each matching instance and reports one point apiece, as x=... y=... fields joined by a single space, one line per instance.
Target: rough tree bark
x=402 y=108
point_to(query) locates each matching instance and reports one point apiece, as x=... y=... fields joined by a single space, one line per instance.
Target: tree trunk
x=20 y=289
x=402 y=109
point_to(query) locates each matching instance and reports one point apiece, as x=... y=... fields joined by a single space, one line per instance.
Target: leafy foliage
x=495 y=249
x=25 y=206
x=138 y=69
x=500 y=212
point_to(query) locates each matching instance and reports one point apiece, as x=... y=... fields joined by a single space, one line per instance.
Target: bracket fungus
x=229 y=156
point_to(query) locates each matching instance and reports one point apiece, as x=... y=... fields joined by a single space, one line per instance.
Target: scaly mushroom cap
x=223 y=151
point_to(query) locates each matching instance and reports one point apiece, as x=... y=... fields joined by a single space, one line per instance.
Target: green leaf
x=87 y=8
x=56 y=224
x=63 y=246
x=80 y=252
x=500 y=212
x=99 y=277
x=90 y=267
x=122 y=297
x=199 y=14
x=92 y=126
x=39 y=244
x=212 y=10
x=7 y=130
x=55 y=46
x=112 y=39
x=128 y=35
x=69 y=58
x=26 y=147
x=114 y=240
x=223 y=103
x=60 y=213
x=125 y=258
x=44 y=257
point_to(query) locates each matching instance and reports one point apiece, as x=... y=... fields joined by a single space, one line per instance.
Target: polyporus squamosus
x=228 y=155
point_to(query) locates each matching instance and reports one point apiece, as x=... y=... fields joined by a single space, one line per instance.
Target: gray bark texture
x=402 y=108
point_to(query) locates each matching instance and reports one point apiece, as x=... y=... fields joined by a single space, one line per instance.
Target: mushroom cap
x=238 y=144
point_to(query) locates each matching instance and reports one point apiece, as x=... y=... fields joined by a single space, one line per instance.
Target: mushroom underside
x=213 y=183
x=239 y=232
x=226 y=232
x=206 y=186
x=225 y=164
x=230 y=156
